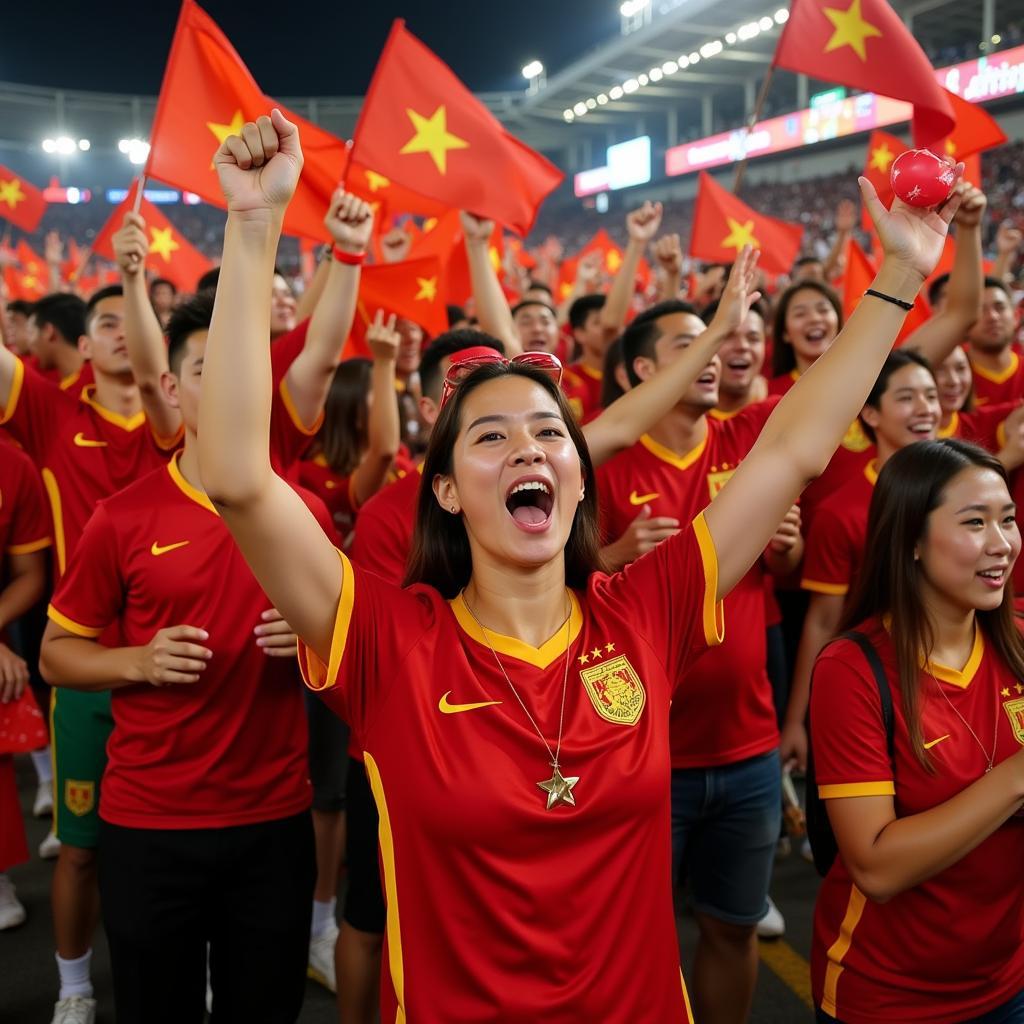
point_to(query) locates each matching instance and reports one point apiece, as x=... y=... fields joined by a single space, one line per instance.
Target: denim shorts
x=725 y=827
x=1011 y=1012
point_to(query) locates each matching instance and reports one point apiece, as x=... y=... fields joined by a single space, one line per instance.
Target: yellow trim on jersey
x=1003 y=376
x=1001 y=434
x=89 y=632
x=70 y=380
x=686 y=998
x=57 y=511
x=964 y=676
x=27 y=549
x=540 y=657
x=387 y=856
x=713 y=613
x=289 y=404
x=124 y=422
x=199 y=497
x=841 y=790
x=840 y=948
x=954 y=426
x=592 y=374
x=832 y=589
x=721 y=415
x=667 y=455
x=167 y=443
x=315 y=674
x=871 y=472
x=16 y=383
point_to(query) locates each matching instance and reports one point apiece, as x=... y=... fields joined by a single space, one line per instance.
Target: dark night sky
x=323 y=49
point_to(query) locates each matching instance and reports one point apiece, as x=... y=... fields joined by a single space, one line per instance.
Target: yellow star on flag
x=163 y=242
x=881 y=157
x=10 y=192
x=613 y=260
x=29 y=281
x=432 y=136
x=222 y=131
x=850 y=29
x=428 y=288
x=376 y=181
x=740 y=235
x=950 y=147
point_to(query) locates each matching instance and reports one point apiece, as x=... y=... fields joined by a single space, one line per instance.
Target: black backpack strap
x=867 y=648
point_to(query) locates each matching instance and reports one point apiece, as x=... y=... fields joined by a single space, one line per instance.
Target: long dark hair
x=783 y=356
x=344 y=435
x=910 y=487
x=440 y=554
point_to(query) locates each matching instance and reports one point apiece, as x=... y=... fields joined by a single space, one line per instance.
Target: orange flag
x=170 y=254
x=723 y=224
x=208 y=94
x=20 y=203
x=422 y=128
x=976 y=130
x=864 y=44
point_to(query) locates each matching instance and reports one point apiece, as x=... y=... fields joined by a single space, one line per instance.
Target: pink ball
x=920 y=178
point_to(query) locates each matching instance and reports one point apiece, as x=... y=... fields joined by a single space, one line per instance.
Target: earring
x=455 y=511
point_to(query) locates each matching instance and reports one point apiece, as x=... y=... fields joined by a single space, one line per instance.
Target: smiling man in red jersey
x=998 y=371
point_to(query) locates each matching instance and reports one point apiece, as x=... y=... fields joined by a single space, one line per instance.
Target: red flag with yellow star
x=20 y=203
x=170 y=254
x=723 y=224
x=29 y=280
x=422 y=128
x=445 y=241
x=611 y=253
x=883 y=149
x=208 y=94
x=864 y=44
x=976 y=130
x=374 y=187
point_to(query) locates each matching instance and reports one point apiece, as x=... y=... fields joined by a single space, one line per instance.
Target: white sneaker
x=321 y=960
x=43 y=806
x=75 y=1010
x=773 y=924
x=12 y=913
x=49 y=847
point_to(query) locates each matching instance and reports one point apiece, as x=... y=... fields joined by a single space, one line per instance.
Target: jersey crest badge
x=1015 y=711
x=855 y=440
x=79 y=796
x=716 y=481
x=615 y=690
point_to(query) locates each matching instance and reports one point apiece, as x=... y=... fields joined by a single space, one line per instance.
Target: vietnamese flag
x=422 y=128
x=170 y=254
x=864 y=44
x=31 y=279
x=207 y=95
x=883 y=149
x=445 y=240
x=723 y=224
x=976 y=130
x=612 y=254
x=371 y=186
x=20 y=203
x=860 y=272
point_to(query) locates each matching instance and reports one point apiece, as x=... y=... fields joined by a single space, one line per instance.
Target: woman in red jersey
x=513 y=701
x=921 y=917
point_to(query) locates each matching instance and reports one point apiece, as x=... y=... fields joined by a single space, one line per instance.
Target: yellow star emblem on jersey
x=428 y=288
x=432 y=136
x=1005 y=692
x=163 y=243
x=850 y=29
x=740 y=235
x=10 y=192
x=881 y=157
x=583 y=658
x=376 y=181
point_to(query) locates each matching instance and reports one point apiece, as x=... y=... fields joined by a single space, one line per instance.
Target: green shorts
x=80 y=724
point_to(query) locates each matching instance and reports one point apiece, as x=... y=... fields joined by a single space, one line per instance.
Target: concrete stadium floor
x=28 y=974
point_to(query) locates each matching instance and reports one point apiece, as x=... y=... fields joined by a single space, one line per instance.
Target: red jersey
x=984 y=427
x=582 y=386
x=949 y=949
x=835 y=544
x=724 y=711
x=24 y=517
x=228 y=750
x=84 y=451
x=289 y=436
x=991 y=388
x=78 y=381
x=560 y=915
x=334 y=490
x=384 y=534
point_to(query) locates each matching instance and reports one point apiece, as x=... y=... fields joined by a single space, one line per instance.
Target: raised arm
x=845 y=221
x=807 y=426
x=143 y=334
x=350 y=222
x=642 y=225
x=669 y=254
x=284 y=545
x=1008 y=242
x=629 y=417
x=491 y=305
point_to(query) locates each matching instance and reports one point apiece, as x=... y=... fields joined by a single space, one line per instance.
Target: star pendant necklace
x=559 y=787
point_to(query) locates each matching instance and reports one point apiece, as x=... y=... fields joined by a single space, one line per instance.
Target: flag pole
x=138 y=195
x=741 y=167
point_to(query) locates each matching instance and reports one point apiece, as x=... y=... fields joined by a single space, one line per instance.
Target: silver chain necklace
x=995 y=732
x=559 y=787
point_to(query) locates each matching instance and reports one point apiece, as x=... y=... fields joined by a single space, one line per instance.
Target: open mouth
x=739 y=365
x=923 y=430
x=994 y=577
x=530 y=502
x=816 y=335
x=708 y=378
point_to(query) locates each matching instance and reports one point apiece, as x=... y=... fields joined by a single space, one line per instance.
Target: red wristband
x=351 y=259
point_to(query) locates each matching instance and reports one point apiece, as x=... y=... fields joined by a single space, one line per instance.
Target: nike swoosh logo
x=642 y=499
x=454 y=709
x=932 y=743
x=157 y=550
x=83 y=442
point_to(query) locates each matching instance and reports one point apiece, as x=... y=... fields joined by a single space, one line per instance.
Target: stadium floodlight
x=781 y=16
x=630 y=85
x=137 y=150
x=631 y=8
x=65 y=145
x=602 y=99
x=84 y=144
x=670 y=67
x=997 y=39
x=766 y=24
x=591 y=103
x=748 y=31
x=533 y=70
x=654 y=74
x=642 y=79
x=711 y=49
x=49 y=146
x=694 y=57
x=730 y=37
x=568 y=115
x=615 y=92
x=684 y=61
x=580 y=109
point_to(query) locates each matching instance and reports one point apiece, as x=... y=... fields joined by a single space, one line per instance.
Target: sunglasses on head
x=474 y=358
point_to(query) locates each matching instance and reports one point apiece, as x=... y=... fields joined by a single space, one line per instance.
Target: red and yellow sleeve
x=34 y=408
x=30 y=522
x=851 y=756
x=828 y=567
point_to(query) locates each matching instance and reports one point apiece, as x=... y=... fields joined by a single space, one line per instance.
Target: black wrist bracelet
x=890 y=298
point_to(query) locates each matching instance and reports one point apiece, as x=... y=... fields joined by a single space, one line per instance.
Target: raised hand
x=259 y=169
x=846 y=216
x=130 y=244
x=588 y=271
x=642 y=224
x=1008 y=239
x=972 y=207
x=350 y=221
x=669 y=254
x=476 y=229
x=912 y=236
x=382 y=338
x=53 y=248
x=739 y=294
x=395 y=245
